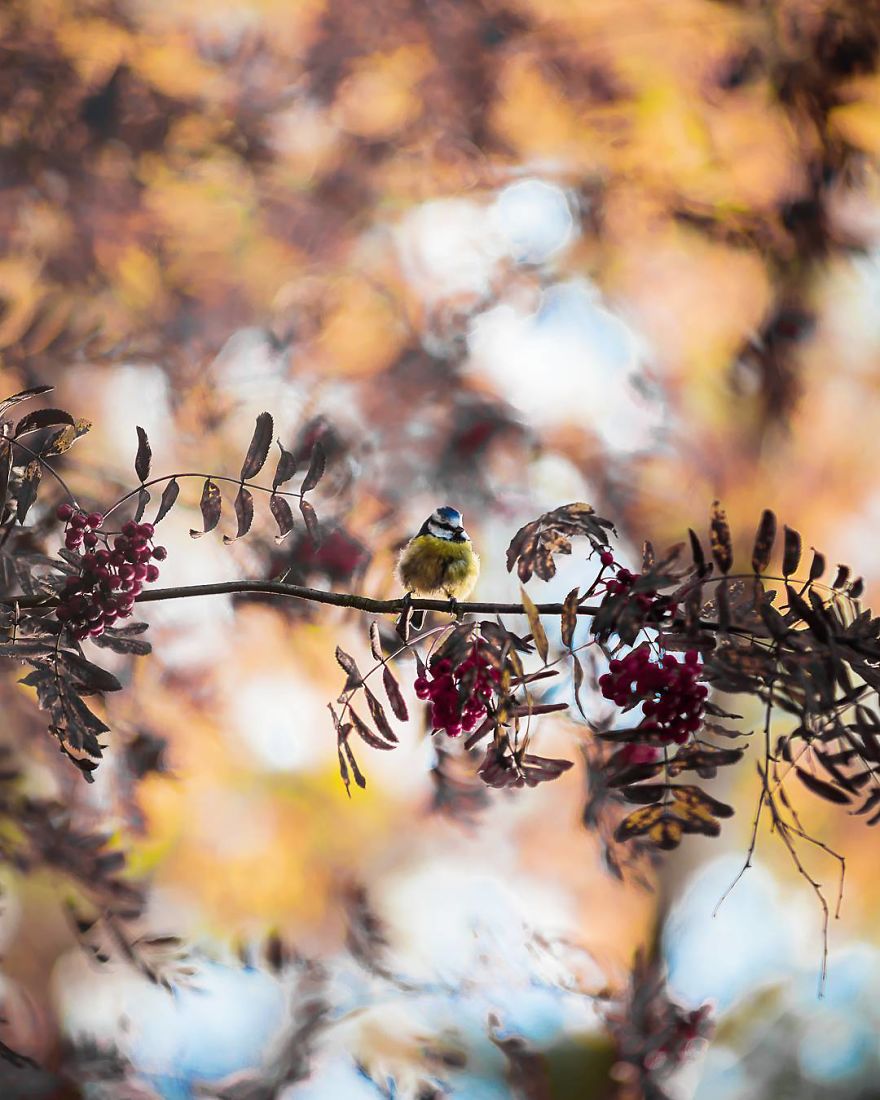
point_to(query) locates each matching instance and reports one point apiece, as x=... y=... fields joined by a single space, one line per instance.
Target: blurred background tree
x=501 y=255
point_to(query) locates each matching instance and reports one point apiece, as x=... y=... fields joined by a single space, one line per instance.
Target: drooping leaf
x=791 y=555
x=143 y=499
x=822 y=788
x=764 y=539
x=169 y=496
x=42 y=418
x=719 y=531
x=569 y=617
x=280 y=509
x=23 y=395
x=310 y=518
x=27 y=491
x=349 y=666
x=367 y=735
x=697 y=553
x=285 y=469
x=377 y=712
x=841 y=578
x=144 y=456
x=210 y=505
x=244 y=513
x=537 y=627
x=90 y=677
x=395 y=698
x=376 y=640
x=577 y=675
x=817 y=566
x=317 y=465
x=258 y=450
x=352 y=763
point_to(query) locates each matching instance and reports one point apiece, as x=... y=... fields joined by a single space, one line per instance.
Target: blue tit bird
x=439 y=560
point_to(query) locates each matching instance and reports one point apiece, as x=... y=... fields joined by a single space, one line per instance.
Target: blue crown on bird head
x=445 y=523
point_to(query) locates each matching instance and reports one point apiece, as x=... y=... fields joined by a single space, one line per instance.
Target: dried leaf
x=719 y=531
x=311 y=521
x=244 y=513
x=764 y=539
x=817 y=566
x=355 y=770
x=376 y=641
x=285 y=469
x=23 y=395
x=698 y=554
x=27 y=491
x=569 y=617
x=316 y=468
x=42 y=418
x=856 y=588
x=280 y=509
x=377 y=712
x=143 y=499
x=349 y=666
x=144 y=455
x=577 y=675
x=258 y=450
x=841 y=578
x=538 y=633
x=367 y=735
x=169 y=496
x=395 y=698
x=210 y=505
x=791 y=556
x=820 y=787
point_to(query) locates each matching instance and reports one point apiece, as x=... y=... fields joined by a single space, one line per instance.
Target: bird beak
x=460 y=531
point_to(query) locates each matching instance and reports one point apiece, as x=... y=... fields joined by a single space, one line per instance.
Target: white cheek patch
x=438 y=531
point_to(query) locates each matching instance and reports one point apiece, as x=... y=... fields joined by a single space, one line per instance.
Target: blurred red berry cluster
x=458 y=694
x=653 y=606
x=110 y=577
x=672 y=698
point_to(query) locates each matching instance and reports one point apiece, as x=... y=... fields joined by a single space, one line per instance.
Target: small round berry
x=126 y=571
x=152 y=573
x=102 y=556
x=140 y=572
x=146 y=530
x=117 y=558
x=72 y=540
x=90 y=538
x=160 y=553
x=606 y=557
x=121 y=542
x=78 y=520
x=64 y=511
x=94 y=519
x=130 y=528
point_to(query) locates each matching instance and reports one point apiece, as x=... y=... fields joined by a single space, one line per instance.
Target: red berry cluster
x=648 y=601
x=672 y=699
x=110 y=578
x=458 y=694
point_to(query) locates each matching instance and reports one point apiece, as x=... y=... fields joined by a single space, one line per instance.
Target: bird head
x=445 y=523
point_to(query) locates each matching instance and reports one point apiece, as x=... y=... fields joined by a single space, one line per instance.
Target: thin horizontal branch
x=316 y=595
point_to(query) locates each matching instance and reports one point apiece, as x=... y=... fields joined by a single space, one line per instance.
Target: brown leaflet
x=280 y=509
x=569 y=617
x=27 y=492
x=349 y=666
x=375 y=640
x=169 y=496
x=719 y=532
x=817 y=566
x=392 y=690
x=377 y=711
x=144 y=456
x=244 y=513
x=820 y=787
x=366 y=734
x=538 y=633
x=315 y=472
x=258 y=450
x=285 y=469
x=577 y=672
x=43 y=418
x=764 y=539
x=791 y=555
x=310 y=519
x=210 y=506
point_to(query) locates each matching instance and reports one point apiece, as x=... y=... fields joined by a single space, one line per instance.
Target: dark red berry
x=160 y=553
x=77 y=520
x=606 y=557
x=146 y=530
x=94 y=519
x=64 y=511
x=130 y=528
x=152 y=573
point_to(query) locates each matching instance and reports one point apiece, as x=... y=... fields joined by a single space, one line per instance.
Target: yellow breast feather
x=434 y=567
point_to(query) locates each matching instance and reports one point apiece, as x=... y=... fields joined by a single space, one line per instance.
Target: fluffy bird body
x=439 y=560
